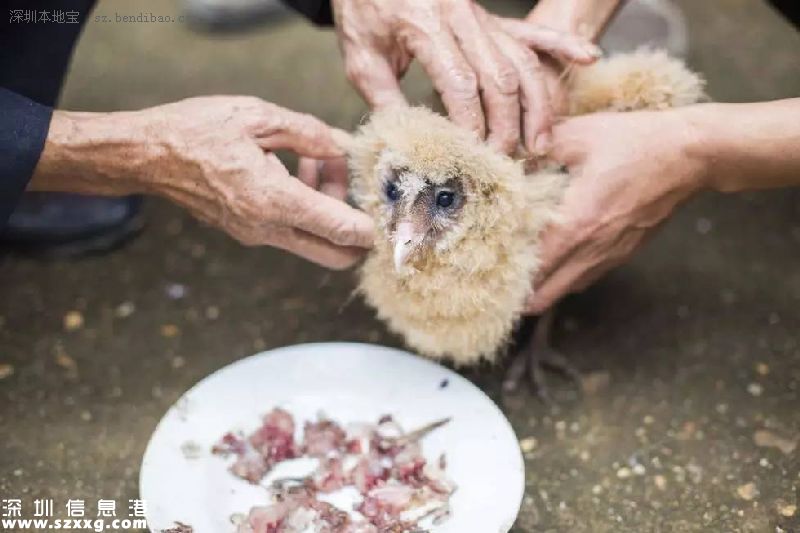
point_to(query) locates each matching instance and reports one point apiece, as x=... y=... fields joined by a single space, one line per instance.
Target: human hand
x=214 y=156
x=629 y=171
x=476 y=62
x=328 y=176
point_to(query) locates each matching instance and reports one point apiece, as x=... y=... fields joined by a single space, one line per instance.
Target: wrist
x=99 y=153
x=703 y=146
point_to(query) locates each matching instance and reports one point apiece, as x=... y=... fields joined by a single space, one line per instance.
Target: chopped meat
x=275 y=438
x=229 y=444
x=368 y=472
x=322 y=438
x=329 y=475
x=269 y=445
x=400 y=488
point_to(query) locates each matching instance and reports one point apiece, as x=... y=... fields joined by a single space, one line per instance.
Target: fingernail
x=542 y=144
x=594 y=50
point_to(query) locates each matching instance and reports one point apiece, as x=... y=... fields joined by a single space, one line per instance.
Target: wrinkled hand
x=477 y=62
x=218 y=163
x=629 y=171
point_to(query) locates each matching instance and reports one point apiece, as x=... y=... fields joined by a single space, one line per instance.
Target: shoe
x=231 y=15
x=651 y=23
x=60 y=225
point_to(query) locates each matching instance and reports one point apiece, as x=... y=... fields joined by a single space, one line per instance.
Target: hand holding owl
x=485 y=68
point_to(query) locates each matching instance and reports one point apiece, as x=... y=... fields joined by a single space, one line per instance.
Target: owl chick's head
x=428 y=184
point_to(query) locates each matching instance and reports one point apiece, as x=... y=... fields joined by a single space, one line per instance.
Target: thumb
x=301 y=133
x=566 y=147
x=327 y=217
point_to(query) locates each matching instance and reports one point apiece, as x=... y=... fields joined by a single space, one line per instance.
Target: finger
x=566 y=146
x=497 y=76
x=334 y=178
x=308 y=171
x=564 y=46
x=558 y=285
x=318 y=250
x=556 y=246
x=325 y=217
x=452 y=77
x=302 y=133
x=373 y=77
x=537 y=112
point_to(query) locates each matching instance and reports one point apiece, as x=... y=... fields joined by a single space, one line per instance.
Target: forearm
x=587 y=18
x=97 y=153
x=746 y=146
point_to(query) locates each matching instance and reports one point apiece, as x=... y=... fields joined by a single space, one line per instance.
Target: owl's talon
x=515 y=372
x=536 y=356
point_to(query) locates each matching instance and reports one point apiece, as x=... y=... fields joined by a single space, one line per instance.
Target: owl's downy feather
x=461 y=294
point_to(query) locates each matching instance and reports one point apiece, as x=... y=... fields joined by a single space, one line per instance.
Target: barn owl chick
x=458 y=224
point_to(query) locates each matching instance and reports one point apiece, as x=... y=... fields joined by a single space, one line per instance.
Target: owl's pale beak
x=405 y=241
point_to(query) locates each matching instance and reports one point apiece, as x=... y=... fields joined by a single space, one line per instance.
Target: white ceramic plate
x=349 y=383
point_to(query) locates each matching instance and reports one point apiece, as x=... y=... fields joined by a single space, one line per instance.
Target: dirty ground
x=690 y=421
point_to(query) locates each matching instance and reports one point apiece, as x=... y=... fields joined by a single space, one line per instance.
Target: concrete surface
x=692 y=349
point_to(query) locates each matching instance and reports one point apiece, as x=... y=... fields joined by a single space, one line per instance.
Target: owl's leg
x=533 y=356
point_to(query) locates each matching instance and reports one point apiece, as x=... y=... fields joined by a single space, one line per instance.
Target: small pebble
x=755 y=389
x=176 y=291
x=178 y=362
x=64 y=360
x=748 y=491
x=528 y=444
x=762 y=368
x=169 y=330
x=639 y=469
x=786 y=509
x=768 y=439
x=648 y=419
x=6 y=370
x=86 y=416
x=624 y=472
x=18 y=472
x=73 y=320
x=597 y=489
x=124 y=310
x=703 y=226
x=212 y=312
x=660 y=482
x=584 y=456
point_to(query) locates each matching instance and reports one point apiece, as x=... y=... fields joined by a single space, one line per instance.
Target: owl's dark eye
x=445 y=198
x=392 y=192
